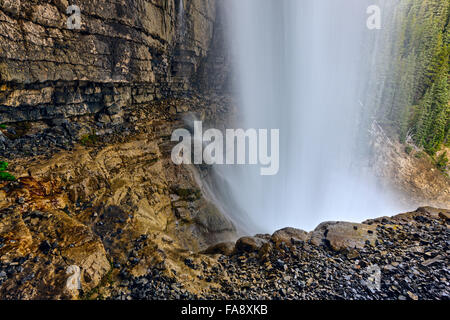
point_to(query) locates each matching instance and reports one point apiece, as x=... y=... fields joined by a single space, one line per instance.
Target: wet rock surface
x=118 y=188
x=38 y=250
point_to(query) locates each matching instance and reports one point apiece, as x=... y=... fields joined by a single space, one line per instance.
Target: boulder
x=224 y=248
x=445 y=216
x=289 y=236
x=343 y=235
x=211 y=220
x=250 y=244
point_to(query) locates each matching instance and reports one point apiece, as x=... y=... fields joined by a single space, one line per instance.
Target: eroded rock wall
x=112 y=206
x=127 y=52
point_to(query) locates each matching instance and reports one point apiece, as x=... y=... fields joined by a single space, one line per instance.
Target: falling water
x=181 y=21
x=301 y=68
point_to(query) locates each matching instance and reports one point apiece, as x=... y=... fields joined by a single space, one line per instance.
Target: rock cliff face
x=127 y=52
x=89 y=113
x=112 y=207
x=411 y=175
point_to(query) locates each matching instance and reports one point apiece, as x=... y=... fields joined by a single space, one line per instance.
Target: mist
x=303 y=67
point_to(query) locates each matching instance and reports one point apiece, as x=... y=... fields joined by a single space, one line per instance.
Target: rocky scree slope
x=405 y=257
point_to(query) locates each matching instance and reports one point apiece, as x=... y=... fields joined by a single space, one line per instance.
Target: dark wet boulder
x=250 y=244
x=225 y=248
x=289 y=236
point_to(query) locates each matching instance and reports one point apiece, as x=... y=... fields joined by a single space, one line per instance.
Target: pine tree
x=415 y=95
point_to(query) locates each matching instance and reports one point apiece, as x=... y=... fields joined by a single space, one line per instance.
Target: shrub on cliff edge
x=5 y=176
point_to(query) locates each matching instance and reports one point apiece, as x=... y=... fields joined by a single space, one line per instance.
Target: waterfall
x=180 y=19
x=302 y=67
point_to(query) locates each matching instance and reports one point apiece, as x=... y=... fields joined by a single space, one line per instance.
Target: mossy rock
x=187 y=193
x=210 y=218
x=88 y=139
x=5 y=176
x=408 y=149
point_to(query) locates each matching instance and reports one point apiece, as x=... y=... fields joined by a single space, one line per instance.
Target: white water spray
x=301 y=69
x=181 y=20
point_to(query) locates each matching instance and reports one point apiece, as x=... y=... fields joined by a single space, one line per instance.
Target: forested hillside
x=415 y=97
